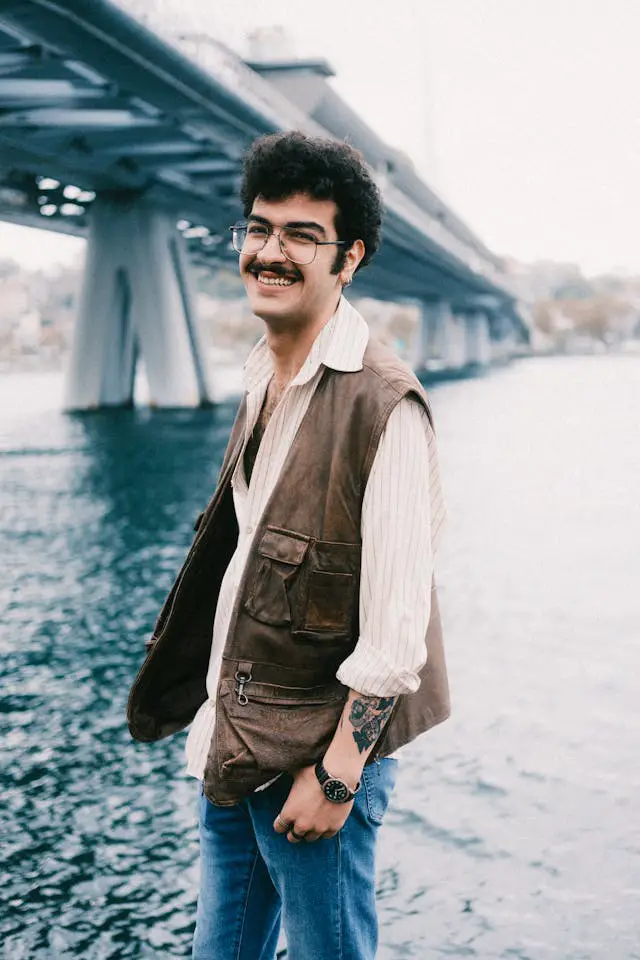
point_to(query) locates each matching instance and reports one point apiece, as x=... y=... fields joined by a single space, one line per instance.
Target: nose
x=271 y=248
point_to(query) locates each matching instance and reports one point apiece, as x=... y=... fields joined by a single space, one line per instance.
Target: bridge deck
x=93 y=99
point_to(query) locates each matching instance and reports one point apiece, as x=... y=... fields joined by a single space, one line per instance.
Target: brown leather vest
x=296 y=614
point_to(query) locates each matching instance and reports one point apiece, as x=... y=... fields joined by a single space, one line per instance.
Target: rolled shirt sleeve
x=398 y=548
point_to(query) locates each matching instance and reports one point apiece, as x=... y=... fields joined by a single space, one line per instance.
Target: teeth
x=275 y=281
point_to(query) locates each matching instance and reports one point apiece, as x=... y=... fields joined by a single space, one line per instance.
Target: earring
x=347 y=281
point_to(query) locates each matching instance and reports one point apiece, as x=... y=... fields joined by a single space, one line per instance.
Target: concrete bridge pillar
x=478 y=348
x=432 y=333
x=503 y=348
x=135 y=300
x=502 y=339
x=456 y=355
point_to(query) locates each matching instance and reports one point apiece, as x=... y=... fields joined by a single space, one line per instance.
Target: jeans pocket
x=379 y=779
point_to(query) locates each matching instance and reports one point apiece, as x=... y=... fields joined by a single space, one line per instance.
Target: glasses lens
x=238 y=237
x=298 y=246
x=248 y=238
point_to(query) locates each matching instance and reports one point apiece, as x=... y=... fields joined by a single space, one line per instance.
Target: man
x=302 y=636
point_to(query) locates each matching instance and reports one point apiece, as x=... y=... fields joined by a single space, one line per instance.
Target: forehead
x=299 y=208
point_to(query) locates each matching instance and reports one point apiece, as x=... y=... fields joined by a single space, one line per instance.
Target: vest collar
x=340 y=345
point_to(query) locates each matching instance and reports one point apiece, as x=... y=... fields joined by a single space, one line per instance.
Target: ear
x=353 y=256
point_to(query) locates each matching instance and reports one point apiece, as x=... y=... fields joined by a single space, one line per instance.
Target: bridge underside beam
x=135 y=301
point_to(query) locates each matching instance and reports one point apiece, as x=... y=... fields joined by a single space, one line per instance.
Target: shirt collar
x=340 y=345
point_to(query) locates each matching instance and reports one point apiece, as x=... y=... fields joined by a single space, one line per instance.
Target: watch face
x=336 y=791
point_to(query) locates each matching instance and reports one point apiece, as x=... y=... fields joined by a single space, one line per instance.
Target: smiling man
x=302 y=636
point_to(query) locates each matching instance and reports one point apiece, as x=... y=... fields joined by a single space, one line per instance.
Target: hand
x=307 y=810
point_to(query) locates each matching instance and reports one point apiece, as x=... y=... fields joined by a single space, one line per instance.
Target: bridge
x=118 y=125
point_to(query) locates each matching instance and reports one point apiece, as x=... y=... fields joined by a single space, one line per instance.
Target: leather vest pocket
x=330 y=600
x=280 y=555
x=277 y=729
x=331 y=592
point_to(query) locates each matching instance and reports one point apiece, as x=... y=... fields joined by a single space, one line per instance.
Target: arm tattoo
x=368 y=716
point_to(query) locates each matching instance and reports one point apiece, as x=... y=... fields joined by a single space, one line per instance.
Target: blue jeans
x=251 y=876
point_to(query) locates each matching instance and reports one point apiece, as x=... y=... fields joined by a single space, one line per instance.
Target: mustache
x=277 y=268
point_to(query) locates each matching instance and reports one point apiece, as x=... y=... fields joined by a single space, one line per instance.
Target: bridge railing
x=449 y=241
x=197 y=38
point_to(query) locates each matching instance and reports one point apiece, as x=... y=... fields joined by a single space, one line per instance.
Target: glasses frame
x=271 y=231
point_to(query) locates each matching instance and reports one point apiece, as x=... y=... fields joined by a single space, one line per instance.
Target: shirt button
x=250 y=531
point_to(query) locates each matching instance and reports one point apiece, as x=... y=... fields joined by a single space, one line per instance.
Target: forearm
x=361 y=725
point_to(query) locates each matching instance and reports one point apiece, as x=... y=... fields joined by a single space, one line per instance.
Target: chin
x=276 y=319
x=272 y=311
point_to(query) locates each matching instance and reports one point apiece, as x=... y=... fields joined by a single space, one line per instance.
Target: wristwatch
x=335 y=790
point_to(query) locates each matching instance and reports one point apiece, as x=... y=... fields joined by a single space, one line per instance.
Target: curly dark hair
x=279 y=165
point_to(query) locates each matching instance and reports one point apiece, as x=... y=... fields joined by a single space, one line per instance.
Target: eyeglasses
x=298 y=246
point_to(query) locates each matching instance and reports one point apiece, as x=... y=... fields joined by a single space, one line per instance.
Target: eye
x=256 y=230
x=300 y=237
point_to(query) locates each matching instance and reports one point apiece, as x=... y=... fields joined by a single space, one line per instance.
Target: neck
x=290 y=348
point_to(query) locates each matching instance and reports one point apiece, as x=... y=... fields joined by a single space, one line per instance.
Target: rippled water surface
x=515 y=830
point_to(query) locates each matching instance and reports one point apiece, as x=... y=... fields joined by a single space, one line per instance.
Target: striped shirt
x=402 y=518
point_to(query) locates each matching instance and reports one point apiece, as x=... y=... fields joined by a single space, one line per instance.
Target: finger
x=328 y=834
x=312 y=836
x=297 y=834
x=281 y=824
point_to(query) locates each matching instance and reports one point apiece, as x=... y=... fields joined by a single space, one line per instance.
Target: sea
x=514 y=832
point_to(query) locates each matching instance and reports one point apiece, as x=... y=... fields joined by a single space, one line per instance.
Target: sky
x=524 y=116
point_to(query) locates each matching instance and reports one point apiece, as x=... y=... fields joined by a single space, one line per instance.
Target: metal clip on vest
x=243 y=677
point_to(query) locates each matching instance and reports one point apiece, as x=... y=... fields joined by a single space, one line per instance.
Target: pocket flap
x=270 y=693
x=284 y=546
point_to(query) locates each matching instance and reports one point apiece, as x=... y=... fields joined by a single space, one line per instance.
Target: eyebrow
x=295 y=224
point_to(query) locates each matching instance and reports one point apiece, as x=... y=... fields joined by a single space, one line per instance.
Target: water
x=515 y=831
